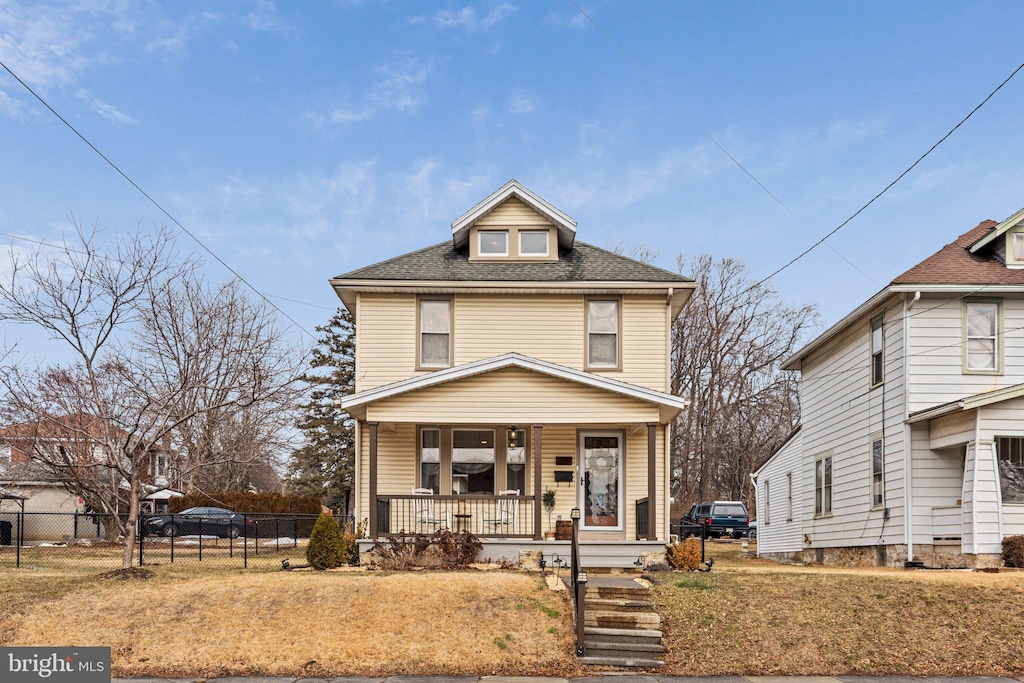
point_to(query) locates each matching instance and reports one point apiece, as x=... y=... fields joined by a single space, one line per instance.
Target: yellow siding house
x=507 y=362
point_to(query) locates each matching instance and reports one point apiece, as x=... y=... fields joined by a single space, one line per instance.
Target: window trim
x=420 y=367
x=586 y=334
x=880 y=320
x=494 y=448
x=527 y=231
x=767 y=504
x=789 y=496
x=999 y=337
x=479 y=243
x=875 y=438
x=822 y=458
x=419 y=458
x=581 y=434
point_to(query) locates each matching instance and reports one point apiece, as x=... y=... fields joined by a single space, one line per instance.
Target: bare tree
x=726 y=350
x=155 y=350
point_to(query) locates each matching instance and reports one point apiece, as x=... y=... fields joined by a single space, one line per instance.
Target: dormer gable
x=1005 y=241
x=513 y=224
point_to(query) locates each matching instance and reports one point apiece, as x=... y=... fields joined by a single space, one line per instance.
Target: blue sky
x=307 y=139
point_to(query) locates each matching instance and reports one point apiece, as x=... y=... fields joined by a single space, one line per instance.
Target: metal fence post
x=295 y=532
x=256 y=524
x=277 y=533
x=172 y=539
x=245 y=543
x=200 y=538
x=21 y=534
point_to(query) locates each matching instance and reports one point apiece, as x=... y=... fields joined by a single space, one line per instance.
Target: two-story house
x=911 y=446
x=511 y=361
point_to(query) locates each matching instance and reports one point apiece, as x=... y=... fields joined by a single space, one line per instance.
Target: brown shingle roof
x=954 y=264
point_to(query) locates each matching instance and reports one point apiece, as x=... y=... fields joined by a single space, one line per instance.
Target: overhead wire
x=152 y=201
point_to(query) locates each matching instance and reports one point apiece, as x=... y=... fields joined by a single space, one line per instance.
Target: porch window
x=435 y=333
x=602 y=334
x=473 y=461
x=1010 y=451
x=430 y=460
x=823 y=486
x=515 y=461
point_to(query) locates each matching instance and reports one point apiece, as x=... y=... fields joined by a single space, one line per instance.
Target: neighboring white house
x=934 y=360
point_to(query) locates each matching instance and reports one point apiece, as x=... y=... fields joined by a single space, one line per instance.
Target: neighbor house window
x=515 y=461
x=823 y=485
x=982 y=320
x=435 y=333
x=533 y=242
x=1018 y=246
x=602 y=333
x=1010 y=451
x=767 y=505
x=789 y=497
x=473 y=461
x=493 y=243
x=877 y=344
x=877 y=474
x=430 y=459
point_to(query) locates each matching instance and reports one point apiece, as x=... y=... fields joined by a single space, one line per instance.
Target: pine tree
x=323 y=465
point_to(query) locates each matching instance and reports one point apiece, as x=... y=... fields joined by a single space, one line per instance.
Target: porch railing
x=642 y=519
x=482 y=515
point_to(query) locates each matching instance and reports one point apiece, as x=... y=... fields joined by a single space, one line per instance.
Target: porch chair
x=507 y=513
x=424 y=516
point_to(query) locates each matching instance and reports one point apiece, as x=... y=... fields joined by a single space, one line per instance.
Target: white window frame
x=767 y=504
x=420 y=364
x=877 y=354
x=617 y=365
x=480 y=243
x=419 y=458
x=581 y=487
x=823 y=483
x=547 y=242
x=997 y=342
x=877 y=476
x=789 y=496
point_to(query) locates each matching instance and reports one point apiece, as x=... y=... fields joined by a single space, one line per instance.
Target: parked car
x=752 y=529
x=722 y=518
x=194 y=521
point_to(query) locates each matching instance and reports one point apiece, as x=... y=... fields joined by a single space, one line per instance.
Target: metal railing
x=579 y=585
x=643 y=528
x=483 y=515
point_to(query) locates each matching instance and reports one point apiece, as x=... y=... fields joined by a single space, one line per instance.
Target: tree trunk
x=131 y=524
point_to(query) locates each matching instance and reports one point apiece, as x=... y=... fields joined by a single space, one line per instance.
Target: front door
x=601 y=480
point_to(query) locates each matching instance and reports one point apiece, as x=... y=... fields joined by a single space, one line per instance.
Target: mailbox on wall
x=563 y=477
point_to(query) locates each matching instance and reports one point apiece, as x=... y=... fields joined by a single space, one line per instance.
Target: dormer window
x=1018 y=246
x=533 y=242
x=493 y=242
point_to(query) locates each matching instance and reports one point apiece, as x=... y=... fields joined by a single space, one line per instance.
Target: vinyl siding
x=512 y=395
x=546 y=327
x=782 y=535
x=842 y=414
x=512 y=212
x=936 y=366
x=938 y=475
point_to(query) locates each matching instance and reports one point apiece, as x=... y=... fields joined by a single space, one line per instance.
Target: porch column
x=373 y=479
x=537 y=534
x=652 y=488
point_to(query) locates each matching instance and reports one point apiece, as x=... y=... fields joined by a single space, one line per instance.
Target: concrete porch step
x=618 y=593
x=604 y=619
x=602 y=648
x=622 y=635
x=638 y=663
x=618 y=605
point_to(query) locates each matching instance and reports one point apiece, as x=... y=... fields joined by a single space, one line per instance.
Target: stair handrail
x=579 y=583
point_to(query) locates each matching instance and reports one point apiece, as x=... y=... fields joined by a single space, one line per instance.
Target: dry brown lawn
x=752 y=616
x=303 y=623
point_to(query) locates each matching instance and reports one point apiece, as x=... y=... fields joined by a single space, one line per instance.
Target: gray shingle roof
x=583 y=263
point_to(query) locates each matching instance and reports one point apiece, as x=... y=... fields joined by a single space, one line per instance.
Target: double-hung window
x=877 y=351
x=430 y=459
x=602 y=333
x=435 y=333
x=982 y=323
x=767 y=504
x=473 y=461
x=515 y=461
x=789 y=496
x=823 y=485
x=877 y=474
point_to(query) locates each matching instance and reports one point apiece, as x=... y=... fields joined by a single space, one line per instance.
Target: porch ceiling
x=513 y=388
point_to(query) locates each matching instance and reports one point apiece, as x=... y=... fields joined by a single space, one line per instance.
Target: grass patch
x=763 y=618
x=296 y=623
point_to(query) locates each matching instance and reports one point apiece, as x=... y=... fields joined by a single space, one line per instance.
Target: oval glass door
x=600 y=489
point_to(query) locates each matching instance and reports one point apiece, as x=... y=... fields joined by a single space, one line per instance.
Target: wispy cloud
x=399 y=88
x=105 y=109
x=470 y=19
x=521 y=103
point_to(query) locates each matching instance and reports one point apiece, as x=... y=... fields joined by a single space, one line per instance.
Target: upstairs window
x=982 y=323
x=435 y=333
x=877 y=474
x=533 y=242
x=493 y=243
x=602 y=334
x=877 y=351
x=1018 y=246
x=823 y=486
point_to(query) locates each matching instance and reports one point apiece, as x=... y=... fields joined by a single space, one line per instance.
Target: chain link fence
x=64 y=540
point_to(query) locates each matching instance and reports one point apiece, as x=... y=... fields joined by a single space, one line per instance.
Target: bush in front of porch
x=443 y=550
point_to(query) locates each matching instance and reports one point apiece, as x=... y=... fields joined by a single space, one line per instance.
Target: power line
x=887 y=187
x=643 y=72
x=157 y=204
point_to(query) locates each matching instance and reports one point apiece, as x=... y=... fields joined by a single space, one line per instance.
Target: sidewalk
x=606 y=678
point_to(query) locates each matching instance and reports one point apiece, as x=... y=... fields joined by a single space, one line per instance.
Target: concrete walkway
x=608 y=678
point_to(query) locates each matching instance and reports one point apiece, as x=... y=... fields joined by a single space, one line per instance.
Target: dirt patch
x=130 y=574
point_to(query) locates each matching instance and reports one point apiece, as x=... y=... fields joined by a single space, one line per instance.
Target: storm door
x=601 y=482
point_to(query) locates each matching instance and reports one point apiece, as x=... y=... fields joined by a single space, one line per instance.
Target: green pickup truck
x=722 y=518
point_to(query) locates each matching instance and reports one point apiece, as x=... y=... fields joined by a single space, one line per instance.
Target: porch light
x=575 y=514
